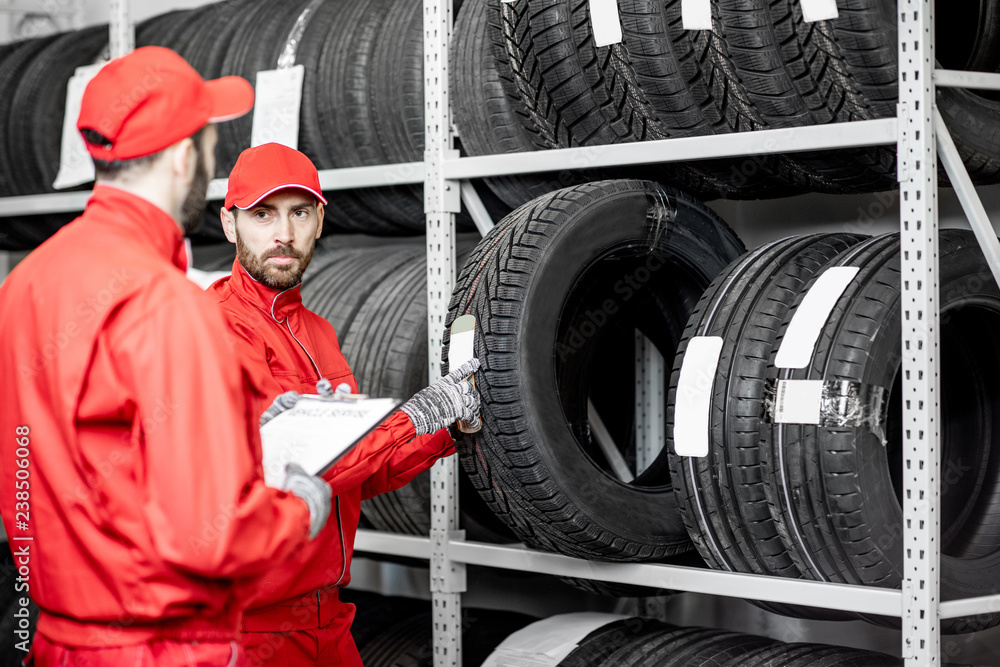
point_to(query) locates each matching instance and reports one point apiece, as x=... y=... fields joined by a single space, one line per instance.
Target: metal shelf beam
x=392 y=544
x=674 y=577
x=406 y=173
x=989 y=604
x=951 y=78
x=816 y=137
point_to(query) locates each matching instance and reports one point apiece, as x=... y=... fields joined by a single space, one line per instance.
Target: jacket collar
x=277 y=305
x=138 y=218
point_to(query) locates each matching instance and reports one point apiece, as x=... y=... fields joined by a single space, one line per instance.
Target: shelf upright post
x=917 y=163
x=121 y=28
x=442 y=199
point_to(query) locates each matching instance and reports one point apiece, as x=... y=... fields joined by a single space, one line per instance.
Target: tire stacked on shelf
x=375 y=297
x=408 y=642
x=33 y=79
x=559 y=288
x=819 y=496
x=641 y=642
x=760 y=67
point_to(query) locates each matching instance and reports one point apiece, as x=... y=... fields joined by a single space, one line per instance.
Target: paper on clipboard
x=317 y=431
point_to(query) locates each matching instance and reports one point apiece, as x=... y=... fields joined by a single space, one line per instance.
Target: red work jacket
x=146 y=515
x=296 y=347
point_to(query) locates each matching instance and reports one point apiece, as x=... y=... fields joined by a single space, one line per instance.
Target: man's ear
x=228 y=223
x=319 y=215
x=184 y=160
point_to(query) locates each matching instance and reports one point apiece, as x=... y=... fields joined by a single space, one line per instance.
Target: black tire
x=722 y=496
x=529 y=283
x=656 y=649
x=688 y=81
x=813 y=655
x=795 y=75
x=12 y=69
x=375 y=614
x=477 y=94
x=596 y=647
x=848 y=528
x=38 y=107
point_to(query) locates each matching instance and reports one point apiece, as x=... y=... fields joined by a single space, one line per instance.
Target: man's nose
x=283 y=231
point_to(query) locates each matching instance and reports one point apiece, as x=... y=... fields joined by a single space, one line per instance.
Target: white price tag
x=819 y=10
x=605 y=22
x=696 y=14
x=810 y=317
x=798 y=401
x=693 y=410
x=276 y=111
x=75 y=164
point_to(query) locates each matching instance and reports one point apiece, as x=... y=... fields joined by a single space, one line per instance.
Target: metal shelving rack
x=920 y=136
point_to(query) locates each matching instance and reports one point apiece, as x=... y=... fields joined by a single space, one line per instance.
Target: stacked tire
x=820 y=496
x=760 y=67
x=397 y=632
x=641 y=642
x=559 y=288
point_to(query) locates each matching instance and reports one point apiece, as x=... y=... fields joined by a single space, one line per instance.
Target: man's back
x=140 y=437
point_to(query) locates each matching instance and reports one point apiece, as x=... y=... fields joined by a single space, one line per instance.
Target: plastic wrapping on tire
x=842 y=404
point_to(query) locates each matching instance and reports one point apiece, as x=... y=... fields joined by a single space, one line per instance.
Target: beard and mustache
x=193 y=208
x=271 y=275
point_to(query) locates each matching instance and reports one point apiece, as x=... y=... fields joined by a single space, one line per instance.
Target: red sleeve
x=389 y=458
x=208 y=508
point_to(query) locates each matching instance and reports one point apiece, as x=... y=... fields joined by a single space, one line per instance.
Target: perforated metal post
x=121 y=29
x=919 y=265
x=441 y=202
x=650 y=418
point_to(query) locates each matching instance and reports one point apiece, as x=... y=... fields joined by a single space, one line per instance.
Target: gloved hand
x=314 y=490
x=446 y=401
x=280 y=404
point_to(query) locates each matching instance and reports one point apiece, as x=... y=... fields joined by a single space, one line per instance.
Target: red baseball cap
x=263 y=170
x=152 y=98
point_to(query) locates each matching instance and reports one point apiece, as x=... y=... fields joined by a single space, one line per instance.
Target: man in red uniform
x=132 y=491
x=274 y=214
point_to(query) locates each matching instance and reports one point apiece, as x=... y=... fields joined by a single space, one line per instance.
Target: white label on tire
x=605 y=22
x=819 y=10
x=693 y=407
x=546 y=642
x=276 y=110
x=696 y=14
x=803 y=331
x=798 y=401
x=75 y=165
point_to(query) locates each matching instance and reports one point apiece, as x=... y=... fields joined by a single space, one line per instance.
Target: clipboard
x=318 y=431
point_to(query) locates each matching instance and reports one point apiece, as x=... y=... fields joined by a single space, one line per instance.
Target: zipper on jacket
x=340 y=521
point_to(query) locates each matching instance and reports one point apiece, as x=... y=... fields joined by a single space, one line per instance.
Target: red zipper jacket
x=298 y=347
x=147 y=516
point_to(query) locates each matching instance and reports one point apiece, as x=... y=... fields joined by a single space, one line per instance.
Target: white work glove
x=314 y=491
x=446 y=401
x=280 y=404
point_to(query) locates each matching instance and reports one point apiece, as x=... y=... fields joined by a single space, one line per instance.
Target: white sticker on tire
x=798 y=401
x=545 y=643
x=605 y=22
x=696 y=14
x=803 y=331
x=819 y=10
x=693 y=405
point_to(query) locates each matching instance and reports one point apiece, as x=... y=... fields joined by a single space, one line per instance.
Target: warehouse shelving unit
x=917 y=132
